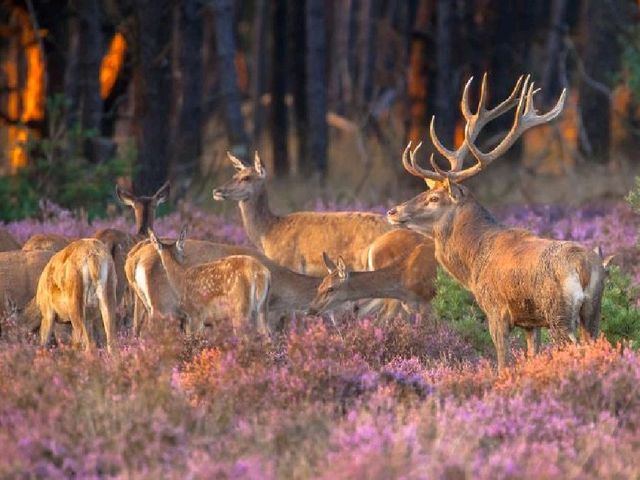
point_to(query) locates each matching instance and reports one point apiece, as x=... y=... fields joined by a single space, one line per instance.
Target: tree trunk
x=418 y=73
x=444 y=98
x=316 y=87
x=152 y=83
x=297 y=35
x=601 y=61
x=279 y=87
x=188 y=140
x=228 y=76
x=551 y=81
x=367 y=35
x=259 y=67
x=90 y=57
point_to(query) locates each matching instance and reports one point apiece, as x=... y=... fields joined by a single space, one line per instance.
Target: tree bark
x=279 y=87
x=367 y=35
x=601 y=61
x=228 y=76
x=90 y=57
x=152 y=83
x=259 y=68
x=418 y=73
x=297 y=54
x=551 y=81
x=444 y=102
x=316 y=87
x=188 y=143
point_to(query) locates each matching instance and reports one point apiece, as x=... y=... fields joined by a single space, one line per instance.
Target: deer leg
x=499 y=334
x=107 y=302
x=533 y=341
x=48 y=316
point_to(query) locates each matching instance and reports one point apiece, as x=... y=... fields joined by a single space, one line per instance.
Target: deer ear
x=455 y=191
x=182 y=238
x=124 y=196
x=342 y=268
x=331 y=267
x=154 y=240
x=235 y=161
x=163 y=193
x=607 y=260
x=259 y=166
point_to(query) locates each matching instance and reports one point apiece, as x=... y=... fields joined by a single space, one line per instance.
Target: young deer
x=235 y=287
x=518 y=279
x=409 y=278
x=294 y=240
x=78 y=277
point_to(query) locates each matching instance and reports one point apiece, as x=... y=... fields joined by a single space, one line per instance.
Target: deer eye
x=244 y=179
x=330 y=289
x=434 y=199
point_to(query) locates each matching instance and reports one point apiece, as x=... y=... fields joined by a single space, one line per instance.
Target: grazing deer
x=408 y=277
x=7 y=242
x=45 y=241
x=19 y=274
x=294 y=240
x=518 y=279
x=235 y=287
x=78 y=277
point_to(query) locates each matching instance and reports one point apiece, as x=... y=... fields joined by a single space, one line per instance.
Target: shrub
x=620 y=315
x=455 y=305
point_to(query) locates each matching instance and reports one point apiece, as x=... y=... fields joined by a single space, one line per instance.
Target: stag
x=518 y=279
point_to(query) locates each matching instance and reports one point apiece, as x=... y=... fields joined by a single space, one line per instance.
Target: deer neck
x=381 y=283
x=291 y=289
x=461 y=240
x=257 y=216
x=175 y=273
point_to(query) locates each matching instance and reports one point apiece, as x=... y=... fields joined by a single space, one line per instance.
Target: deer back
x=7 y=242
x=49 y=241
x=19 y=274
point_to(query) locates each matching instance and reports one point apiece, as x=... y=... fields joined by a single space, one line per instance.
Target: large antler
x=526 y=117
x=475 y=121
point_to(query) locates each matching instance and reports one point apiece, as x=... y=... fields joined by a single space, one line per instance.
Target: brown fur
x=7 y=242
x=19 y=274
x=409 y=279
x=79 y=277
x=235 y=287
x=289 y=290
x=296 y=240
x=49 y=241
x=518 y=279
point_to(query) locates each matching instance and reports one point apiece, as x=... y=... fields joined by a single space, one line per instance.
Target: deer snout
x=218 y=194
x=393 y=216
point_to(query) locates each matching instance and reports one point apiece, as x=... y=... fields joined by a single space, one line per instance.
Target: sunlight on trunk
x=112 y=64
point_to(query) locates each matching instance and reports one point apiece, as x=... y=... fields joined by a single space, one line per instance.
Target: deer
x=45 y=241
x=235 y=287
x=7 y=242
x=294 y=240
x=409 y=278
x=19 y=274
x=517 y=278
x=81 y=276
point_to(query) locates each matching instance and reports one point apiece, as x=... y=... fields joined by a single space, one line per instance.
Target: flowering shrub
x=370 y=398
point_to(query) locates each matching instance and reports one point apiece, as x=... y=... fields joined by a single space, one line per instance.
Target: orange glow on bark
x=112 y=64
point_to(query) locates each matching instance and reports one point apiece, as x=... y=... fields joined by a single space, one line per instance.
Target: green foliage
x=633 y=198
x=59 y=171
x=620 y=315
x=455 y=305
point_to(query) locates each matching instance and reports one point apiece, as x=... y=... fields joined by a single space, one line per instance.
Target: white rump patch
x=143 y=286
x=573 y=290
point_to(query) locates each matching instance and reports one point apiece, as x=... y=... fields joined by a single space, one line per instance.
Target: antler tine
x=409 y=162
x=482 y=100
x=464 y=102
x=525 y=118
x=455 y=158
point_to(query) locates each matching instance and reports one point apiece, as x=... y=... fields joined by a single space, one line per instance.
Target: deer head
x=144 y=207
x=445 y=194
x=331 y=291
x=175 y=250
x=246 y=182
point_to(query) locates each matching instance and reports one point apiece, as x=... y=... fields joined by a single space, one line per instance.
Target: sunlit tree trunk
x=279 y=87
x=418 y=74
x=152 y=83
x=228 y=76
x=316 y=87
